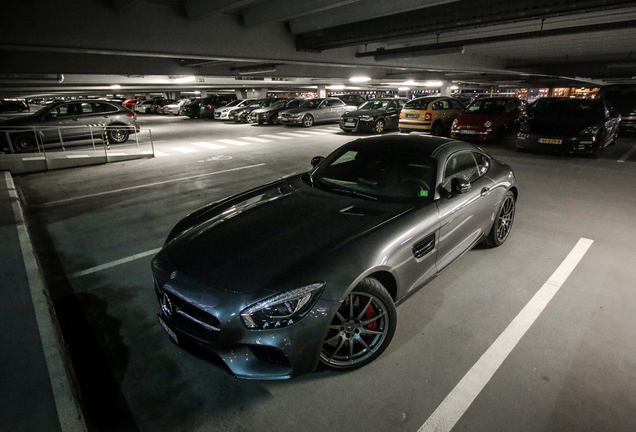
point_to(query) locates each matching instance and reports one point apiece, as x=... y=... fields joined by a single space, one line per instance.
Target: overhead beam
x=466 y=14
x=283 y=10
x=122 y=5
x=200 y=9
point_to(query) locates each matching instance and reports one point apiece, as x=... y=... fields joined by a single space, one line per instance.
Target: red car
x=130 y=103
x=487 y=119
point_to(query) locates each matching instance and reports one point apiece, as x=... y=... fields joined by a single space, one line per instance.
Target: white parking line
x=208 y=145
x=233 y=142
x=260 y=140
x=278 y=137
x=184 y=149
x=114 y=263
x=293 y=134
x=152 y=184
x=627 y=155
x=313 y=133
x=159 y=154
x=462 y=396
x=76 y=156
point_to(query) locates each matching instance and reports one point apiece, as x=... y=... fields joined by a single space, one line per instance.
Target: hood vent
x=424 y=246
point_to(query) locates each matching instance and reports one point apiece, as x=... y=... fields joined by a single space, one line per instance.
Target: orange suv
x=434 y=114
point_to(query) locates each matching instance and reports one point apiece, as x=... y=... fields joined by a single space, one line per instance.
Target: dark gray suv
x=58 y=123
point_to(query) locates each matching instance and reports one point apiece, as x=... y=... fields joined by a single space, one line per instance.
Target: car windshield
x=487 y=106
x=279 y=104
x=377 y=174
x=313 y=103
x=234 y=103
x=569 y=108
x=374 y=105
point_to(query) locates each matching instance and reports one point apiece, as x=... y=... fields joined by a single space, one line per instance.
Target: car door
x=338 y=108
x=322 y=112
x=62 y=122
x=464 y=217
x=392 y=115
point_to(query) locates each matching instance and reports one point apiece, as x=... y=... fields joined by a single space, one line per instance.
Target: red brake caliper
x=370 y=313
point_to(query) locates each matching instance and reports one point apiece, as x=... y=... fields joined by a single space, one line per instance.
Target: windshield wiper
x=354 y=192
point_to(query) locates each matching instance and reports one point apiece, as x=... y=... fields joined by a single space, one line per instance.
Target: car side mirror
x=316 y=160
x=459 y=186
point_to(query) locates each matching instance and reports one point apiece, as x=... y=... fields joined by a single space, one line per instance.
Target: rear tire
x=437 y=129
x=24 y=143
x=503 y=222
x=117 y=136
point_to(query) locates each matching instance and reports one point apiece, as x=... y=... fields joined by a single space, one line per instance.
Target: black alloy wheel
x=308 y=120
x=503 y=223
x=24 y=143
x=361 y=329
x=274 y=119
x=117 y=136
x=379 y=126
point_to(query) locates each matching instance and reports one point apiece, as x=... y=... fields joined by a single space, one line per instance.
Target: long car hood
x=285 y=227
x=369 y=112
x=559 y=126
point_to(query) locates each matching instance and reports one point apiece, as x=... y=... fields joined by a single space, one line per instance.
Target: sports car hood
x=282 y=229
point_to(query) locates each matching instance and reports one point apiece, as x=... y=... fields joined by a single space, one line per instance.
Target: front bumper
x=567 y=145
x=291 y=120
x=356 y=125
x=211 y=319
x=414 y=127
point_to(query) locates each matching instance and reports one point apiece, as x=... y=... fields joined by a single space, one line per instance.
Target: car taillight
x=130 y=115
x=428 y=117
x=400 y=115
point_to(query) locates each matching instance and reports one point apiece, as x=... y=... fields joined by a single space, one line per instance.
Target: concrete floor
x=95 y=230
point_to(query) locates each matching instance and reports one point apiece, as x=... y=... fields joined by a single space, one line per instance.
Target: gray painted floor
x=574 y=369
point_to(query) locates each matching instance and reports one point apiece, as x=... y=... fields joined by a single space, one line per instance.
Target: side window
x=335 y=103
x=483 y=163
x=87 y=108
x=104 y=107
x=460 y=165
x=441 y=105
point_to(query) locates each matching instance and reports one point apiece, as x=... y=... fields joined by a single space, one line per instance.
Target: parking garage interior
x=536 y=335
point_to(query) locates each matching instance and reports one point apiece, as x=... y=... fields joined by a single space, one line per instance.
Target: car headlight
x=590 y=130
x=455 y=123
x=366 y=118
x=488 y=124
x=282 y=310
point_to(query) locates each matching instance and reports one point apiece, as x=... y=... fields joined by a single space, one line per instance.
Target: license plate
x=350 y=124
x=412 y=116
x=550 y=141
x=468 y=132
x=168 y=330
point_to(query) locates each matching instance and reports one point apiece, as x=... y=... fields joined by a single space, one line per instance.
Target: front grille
x=270 y=354
x=191 y=320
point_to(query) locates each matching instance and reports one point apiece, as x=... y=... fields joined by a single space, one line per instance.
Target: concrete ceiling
x=143 y=45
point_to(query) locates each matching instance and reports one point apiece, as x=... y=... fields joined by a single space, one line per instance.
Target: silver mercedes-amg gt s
x=309 y=268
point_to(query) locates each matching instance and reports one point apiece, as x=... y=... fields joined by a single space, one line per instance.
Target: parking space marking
x=159 y=154
x=293 y=134
x=115 y=263
x=208 y=145
x=152 y=184
x=278 y=137
x=313 y=133
x=76 y=156
x=466 y=391
x=260 y=140
x=233 y=142
x=184 y=149
x=627 y=155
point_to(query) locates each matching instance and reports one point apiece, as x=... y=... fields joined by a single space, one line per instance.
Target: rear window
x=418 y=103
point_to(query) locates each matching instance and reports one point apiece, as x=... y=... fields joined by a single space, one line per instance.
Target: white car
x=175 y=108
x=222 y=113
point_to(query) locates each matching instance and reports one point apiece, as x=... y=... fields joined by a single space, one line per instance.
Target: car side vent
x=424 y=246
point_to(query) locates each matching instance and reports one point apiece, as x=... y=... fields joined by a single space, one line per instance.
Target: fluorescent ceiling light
x=115 y=86
x=336 y=87
x=433 y=83
x=454 y=87
x=184 y=79
x=359 y=79
x=403 y=88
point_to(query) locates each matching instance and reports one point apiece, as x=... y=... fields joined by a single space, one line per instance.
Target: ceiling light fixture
x=433 y=83
x=336 y=87
x=115 y=86
x=360 y=79
x=184 y=79
x=404 y=88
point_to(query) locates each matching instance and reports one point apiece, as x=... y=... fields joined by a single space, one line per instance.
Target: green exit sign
x=201 y=79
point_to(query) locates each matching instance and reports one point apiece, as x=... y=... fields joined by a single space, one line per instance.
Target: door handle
x=485 y=191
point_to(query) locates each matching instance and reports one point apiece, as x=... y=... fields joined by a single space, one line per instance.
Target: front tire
x=379 y=126
x=361 y=329
x=503 y=222
x=308 y=120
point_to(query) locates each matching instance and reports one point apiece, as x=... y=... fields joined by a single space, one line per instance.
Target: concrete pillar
x=241 y=94
x=322 y=91
x=445 y=89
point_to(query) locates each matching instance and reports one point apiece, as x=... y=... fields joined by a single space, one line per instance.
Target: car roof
x=421 y=144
